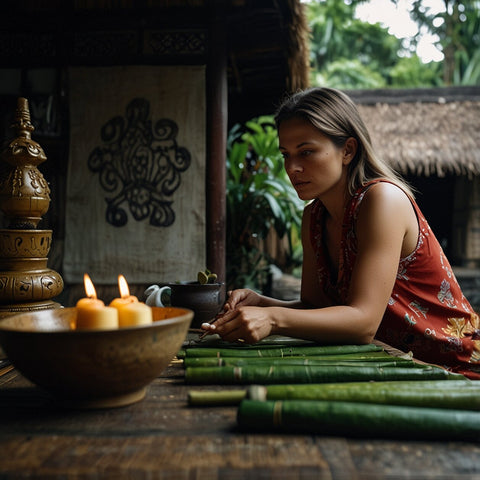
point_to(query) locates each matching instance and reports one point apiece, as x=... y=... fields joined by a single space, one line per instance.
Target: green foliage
x=346 y=52
x=348 y=74
x=259 y=197
x=349 y=53
x=458 y=31
x=467 y=51
x=467 y=71
x=412 y=72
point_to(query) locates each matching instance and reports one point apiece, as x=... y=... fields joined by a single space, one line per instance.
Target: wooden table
x=162 y=437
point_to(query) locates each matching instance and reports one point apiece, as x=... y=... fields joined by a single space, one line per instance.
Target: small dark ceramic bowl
x=206 y=300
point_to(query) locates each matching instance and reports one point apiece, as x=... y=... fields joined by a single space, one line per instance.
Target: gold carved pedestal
x=26 y=283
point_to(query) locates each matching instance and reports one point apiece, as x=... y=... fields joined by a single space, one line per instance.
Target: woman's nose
x=291 y=166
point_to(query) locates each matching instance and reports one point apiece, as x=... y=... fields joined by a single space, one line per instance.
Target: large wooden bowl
x=92 y=368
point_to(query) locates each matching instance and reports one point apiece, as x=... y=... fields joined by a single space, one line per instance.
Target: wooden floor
x=161 y=437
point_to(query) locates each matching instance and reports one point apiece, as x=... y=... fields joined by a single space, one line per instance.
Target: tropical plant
x=412 y=72
x=349 y=53
x=260 y=199
x=345 y=51
x=347 y=74
x=458 y=30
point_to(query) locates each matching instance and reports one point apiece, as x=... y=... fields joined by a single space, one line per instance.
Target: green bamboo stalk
x=215 y=342
x=216 y=398
x=456 y=394
x=275 y=351
x=461 y=394
x=269 y=342
x=321 y=360
x=205 y=361
x=264 y=374
x=358 y=419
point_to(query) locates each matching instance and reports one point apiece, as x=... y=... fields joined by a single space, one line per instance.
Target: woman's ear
x=349 y=150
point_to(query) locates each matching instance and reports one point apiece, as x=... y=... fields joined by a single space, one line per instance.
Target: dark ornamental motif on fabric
x=139 y=166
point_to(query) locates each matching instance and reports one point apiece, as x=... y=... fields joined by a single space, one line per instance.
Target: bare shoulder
x=387 y=212
x=387 y=205
x=387 y=197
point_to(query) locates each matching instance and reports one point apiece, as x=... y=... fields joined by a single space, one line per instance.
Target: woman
x=372 y=268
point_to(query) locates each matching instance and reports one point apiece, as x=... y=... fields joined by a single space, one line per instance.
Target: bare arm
x=385 y=218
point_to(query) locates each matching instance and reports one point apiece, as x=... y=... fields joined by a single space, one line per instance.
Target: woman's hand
x=248 y=324
x=242 y=318
x=241 y=297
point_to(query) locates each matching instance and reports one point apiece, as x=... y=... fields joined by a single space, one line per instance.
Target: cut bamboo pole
x=275 y=374
x=458 y=394
x=275 y=351
x=358 y=419
x=321 y=360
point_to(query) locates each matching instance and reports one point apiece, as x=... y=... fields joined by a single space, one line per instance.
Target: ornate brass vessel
x=25 y=281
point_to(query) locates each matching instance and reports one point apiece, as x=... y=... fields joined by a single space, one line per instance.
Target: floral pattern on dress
x=418 y=308
x=445 y=295
x=454 y=344
x=475 y=357
x=430 y=333
x=458 y=327
x=409 y=320
x=427 y=312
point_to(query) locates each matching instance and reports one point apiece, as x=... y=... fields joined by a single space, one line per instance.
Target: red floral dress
x=427 y=312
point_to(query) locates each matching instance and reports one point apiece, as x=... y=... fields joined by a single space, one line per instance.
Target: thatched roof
x=268 y=55
x=425 y=131
x=298 y=49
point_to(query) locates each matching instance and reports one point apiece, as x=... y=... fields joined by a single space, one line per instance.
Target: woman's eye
x=305 y=153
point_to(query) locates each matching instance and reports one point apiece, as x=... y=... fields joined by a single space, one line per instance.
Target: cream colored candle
x=121 y=302
x=131 y=312
x=92 y=314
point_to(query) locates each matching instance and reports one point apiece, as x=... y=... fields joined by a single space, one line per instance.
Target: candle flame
x=89 y=288
x=123 y=287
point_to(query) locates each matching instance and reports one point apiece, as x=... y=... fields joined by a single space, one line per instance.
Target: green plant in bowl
x=206 y=276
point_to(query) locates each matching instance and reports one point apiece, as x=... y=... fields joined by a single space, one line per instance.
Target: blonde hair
x=335 y=114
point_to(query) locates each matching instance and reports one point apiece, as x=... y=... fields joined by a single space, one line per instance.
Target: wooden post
x=217 y=108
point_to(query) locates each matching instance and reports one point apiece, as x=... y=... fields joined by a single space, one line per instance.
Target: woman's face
x=314 y=164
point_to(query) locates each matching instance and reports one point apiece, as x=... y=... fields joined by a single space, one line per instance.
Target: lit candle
x=92 y=312
x=125 y=297
x=131 y=312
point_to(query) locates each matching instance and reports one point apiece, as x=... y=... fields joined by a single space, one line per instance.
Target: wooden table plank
x=162 y=438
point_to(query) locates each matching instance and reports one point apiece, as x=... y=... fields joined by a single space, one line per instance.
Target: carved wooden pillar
x=26 y=283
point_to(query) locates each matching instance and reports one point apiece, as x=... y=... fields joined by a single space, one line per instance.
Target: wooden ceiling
x=266 y=40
